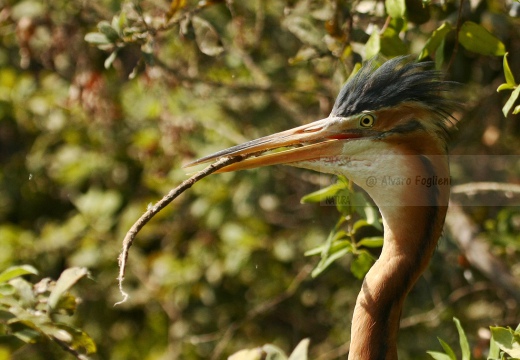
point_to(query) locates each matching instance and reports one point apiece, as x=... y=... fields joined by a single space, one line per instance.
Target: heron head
x=398 y=107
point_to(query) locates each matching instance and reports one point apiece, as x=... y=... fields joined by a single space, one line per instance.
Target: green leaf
x=331 y=251
x=206 y=37
x=17 y=271
x=506 y=340
x=303 y=27
x=395 y=8
x=371 y=242
x=7 y=289
x=247 y=354
x=447 y=349
x=273 y=352
x=79 y=340
x=464 y=345
x=361 y=264
x=67 y=304
x=511 y=101
x=391 y=43
x=335 y=247
x=476 y=38
x=435 y=40
x=439 y=55
x=301 y=350
x=373 y=45
x=322 y=194
x=510 y=79
x=494 y=350
x=105 y=28
x=67 y=279
x=516 y=110
x=342 y=200
x=119 y=22
x=438 y=355
x=327 y=261
x=24 y=291
x=505 y=87
x=97 y=38
x=109 y=60
x=28 y=335
x=25 y=330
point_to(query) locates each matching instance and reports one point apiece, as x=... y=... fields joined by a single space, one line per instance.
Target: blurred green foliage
x=101 y=102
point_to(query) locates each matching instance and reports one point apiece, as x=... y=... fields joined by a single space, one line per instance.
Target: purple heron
x=387 y=132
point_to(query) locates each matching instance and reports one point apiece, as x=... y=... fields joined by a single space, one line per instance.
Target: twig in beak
x=153 y=210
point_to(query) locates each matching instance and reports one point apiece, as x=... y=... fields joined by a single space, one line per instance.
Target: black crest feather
x=397 y=80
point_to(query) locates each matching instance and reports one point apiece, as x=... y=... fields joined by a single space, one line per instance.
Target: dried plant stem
x=161 y=204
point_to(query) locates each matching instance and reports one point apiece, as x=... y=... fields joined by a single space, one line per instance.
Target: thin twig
x=153 y=210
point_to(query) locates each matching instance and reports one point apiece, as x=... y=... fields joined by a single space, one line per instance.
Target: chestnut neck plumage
x=412 y=228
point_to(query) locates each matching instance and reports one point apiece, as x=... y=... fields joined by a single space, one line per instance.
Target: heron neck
x=411 y=235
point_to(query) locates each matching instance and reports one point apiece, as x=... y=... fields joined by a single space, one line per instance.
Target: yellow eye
x=366 y=120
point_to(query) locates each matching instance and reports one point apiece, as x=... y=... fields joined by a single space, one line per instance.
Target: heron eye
x=367 y=120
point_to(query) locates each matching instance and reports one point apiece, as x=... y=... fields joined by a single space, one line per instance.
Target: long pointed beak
x=307 y=142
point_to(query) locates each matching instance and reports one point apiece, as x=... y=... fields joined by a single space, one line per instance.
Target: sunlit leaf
x=494 y=349
x=67 y=279
x=373 y=45
x=24 y=291
x=322 y=194
x=335 y=247
x=391 y=44
x=511 y=101
x=16 y=271
x=395 y=8
x=78 y=340
x=447 y=349
x=206 y=37
x=358 y=225
x=332 y=250
x=507 y=340
x=435 y=40
x=118 y=22
x=109 y=60
x=304 y=54
x=510 y=79
x=438 y=355
x=371 y=242
x=247 y=354
x=6 y=289
x=67 y=304
x=464 y=345
x=273 y=352
x=97 y=38
x=476 y=38
x=176 y=5
x=300 y=352
x=505 y=86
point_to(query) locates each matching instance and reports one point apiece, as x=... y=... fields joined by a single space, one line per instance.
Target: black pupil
x=366 y=120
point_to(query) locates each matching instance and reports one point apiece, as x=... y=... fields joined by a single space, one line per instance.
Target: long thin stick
x=153 y=210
